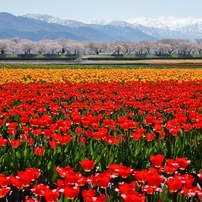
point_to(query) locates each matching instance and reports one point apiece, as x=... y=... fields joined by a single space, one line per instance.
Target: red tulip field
x=99 y=141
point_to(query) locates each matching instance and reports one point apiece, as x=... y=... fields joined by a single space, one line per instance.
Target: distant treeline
x=63 y=48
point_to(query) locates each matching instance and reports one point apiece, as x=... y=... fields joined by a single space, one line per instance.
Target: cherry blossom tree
x=41 y=46
x=145 y=46
x=27 y=46
x=128 y=47
x=117 y=47
x=4 y=46
x=183 y=46
x=64 y=45
x=169 y=45
x=198 y=45
x=15 y=45
x=75 y=47
x=53 y=47
x=97 y=47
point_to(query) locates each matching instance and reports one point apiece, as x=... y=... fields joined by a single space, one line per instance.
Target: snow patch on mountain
x=52 y=19
x=166 y=22
x=97 y=22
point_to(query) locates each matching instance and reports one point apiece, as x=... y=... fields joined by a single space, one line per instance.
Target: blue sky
x=83 y=10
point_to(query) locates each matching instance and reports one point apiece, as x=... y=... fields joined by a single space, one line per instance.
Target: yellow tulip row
x=97 y=75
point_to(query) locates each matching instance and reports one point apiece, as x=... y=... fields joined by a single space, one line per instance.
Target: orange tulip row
x=97 y=75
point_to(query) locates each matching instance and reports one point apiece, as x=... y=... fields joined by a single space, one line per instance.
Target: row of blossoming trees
x=64 y=46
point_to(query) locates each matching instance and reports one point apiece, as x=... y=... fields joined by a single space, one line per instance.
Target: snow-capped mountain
x=52 y=19
x=164 y=22
x=167 y=22
x=162 y=27
x=39 y=26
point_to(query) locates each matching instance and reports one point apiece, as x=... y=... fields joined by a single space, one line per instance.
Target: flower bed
x=97 y=75
x=101 y=141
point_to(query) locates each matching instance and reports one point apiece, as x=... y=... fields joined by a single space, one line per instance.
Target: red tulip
x=190 y=192
x=199 y=193
x=12 y=125
x=12 y=132
x=88 y=194
x=30 y=141
x=149 y=137
x=141 y=176
x=157 y=128
x=114 y=169
x=126 y=188
x=39 y=150
x=39 y=189
x=51 y=195
x=103 y=179
x=111 y=140
x=174 y=184
x=182 y=162
x=124 y=171
x=169 y=169
x=24 y=137
x=162 y=134
x=72 y=177
x=87 y=164
x=174 y=131
x=172 y=163
x=92 y=181
x=15 y=143
x=88 y=133
x=35 y=173
x=78 y=130
x=3 y=142
x=154 y=180
x=24 y=120
x=4 y=191
x=55 y=136
x=82 y=181
x=85 y=121
x=149 y=119
x=54 y=127
x=125 y=126
x=150 y=190
x=47 y=133
x=76 y=118
x=37 y=132
x=17 y=182
x=82 y=140
x=65 y=139
x=1 y=122
x=136 y=136
x=34 y=122
x=157 y=160
x=26 y=129
x=32 y=200
x=63 y=171
x=71 y=192
x=4 y=181
x=100 y=198
x=109 y=123
x=187 y=180
x=133 y=197
x=53 y=144
x=25 y=178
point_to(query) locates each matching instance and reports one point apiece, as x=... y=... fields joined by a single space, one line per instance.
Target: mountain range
x=37 y=27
